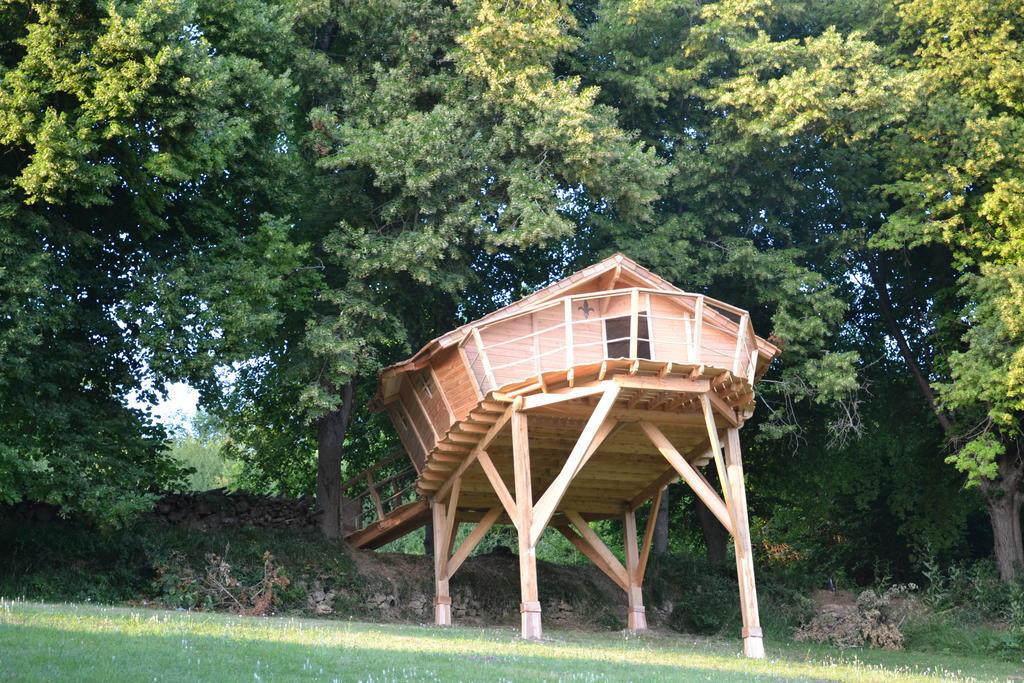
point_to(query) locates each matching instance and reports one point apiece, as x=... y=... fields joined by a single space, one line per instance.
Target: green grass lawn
x=91 y=643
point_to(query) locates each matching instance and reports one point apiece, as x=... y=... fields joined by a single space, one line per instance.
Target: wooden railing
x=627 y=323
x=372 y=496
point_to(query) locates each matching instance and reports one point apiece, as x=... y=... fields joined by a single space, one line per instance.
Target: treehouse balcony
x=524 y=352
x=568 y=342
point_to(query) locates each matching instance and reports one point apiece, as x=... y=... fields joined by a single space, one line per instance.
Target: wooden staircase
x=378 y=512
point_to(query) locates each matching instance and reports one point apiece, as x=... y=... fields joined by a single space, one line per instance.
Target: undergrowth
x=64 y=560
x=704 y=597
x=969 y=611
x=964 y=609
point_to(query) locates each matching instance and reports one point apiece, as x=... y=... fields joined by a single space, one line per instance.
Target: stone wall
x=211 y=510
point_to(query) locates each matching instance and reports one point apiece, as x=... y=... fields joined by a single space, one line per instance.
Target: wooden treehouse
x=577 y=403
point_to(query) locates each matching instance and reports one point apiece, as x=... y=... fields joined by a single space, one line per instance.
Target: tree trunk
x=1003 y=499
x=1003 y=495
x=330 y=443
x=428 y=538
x=716 y=538
x=660 y=543
x=880 y=282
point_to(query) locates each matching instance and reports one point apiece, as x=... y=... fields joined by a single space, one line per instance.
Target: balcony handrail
x=555 y=302
x=736 y=352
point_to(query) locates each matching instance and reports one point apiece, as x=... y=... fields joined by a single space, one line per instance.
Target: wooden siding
x=420 y=423
x=403 y=425
x=456 y=382
x=671 y=325
x=431 y=398
x=509 y=347
x=476 y=364
x=717 y=345
x=550 y=323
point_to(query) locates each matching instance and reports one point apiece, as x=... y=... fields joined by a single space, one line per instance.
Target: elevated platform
x=625 y=469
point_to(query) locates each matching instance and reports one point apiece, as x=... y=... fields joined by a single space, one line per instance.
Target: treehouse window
x=424 y=381
x=617 y=333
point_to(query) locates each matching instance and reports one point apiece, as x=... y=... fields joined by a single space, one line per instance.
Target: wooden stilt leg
x=530 y=606
x=637 y=618
x=442 y=601
x=753 y=644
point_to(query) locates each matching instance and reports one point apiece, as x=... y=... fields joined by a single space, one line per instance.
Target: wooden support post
x=637 y=619
x=716 y=449
x=634 y=322
x=753 y=644
x=442 y=599
x=569 y=351
x=530 y=605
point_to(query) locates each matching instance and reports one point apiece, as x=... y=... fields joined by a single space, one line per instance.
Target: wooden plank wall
x=456 y=382
x=670 y=337
x=587 y=333
x=509 y=342
x=420 y=423
x=476 y=365
x=718 y=345
x=549 y=340
x=403 y=425
x=432 y=400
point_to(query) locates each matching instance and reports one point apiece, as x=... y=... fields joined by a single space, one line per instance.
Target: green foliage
x=135 y=135
x=209 y=469
x=938 y=635
x=970 y=593
x=271 y=200
x=706 y=597
x=70 y=560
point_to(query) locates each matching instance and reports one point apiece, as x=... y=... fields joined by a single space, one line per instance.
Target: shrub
x=970 y=593
x=179 y=585
x=705 y=597
x=872 y=620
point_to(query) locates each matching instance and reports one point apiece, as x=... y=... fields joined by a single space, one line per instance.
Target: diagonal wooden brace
x=584 y=547
x=599 y=552
x=474 y=538
x=716 y=449
x=597 y=429
x=498 y=484
x=689 y=474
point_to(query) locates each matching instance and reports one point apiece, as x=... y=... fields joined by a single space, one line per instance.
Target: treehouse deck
x=577 y=403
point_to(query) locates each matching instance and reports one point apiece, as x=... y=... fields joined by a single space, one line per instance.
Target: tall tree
x=131 y=134
x=928 y=119
x=439 y=135
x=958 y=175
